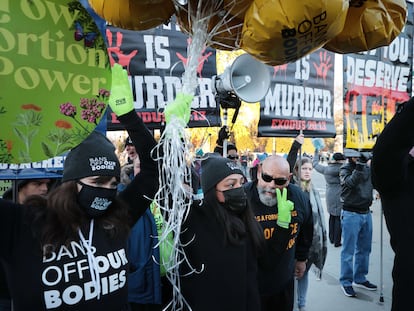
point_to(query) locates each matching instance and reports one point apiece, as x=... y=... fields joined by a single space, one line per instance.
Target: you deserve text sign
x=375 y=82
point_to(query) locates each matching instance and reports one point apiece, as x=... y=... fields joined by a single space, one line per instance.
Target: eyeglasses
x=278 y=181
x=232 y=157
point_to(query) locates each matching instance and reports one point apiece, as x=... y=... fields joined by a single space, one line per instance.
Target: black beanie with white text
x=94 y=156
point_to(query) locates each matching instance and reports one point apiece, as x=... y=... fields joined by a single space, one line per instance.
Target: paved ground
x=326 y=294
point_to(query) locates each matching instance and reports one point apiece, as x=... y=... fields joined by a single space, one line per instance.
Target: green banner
x=55 y=78
x=4 y=185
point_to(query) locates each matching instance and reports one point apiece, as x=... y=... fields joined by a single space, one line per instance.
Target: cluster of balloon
x=273 y=31
x=369 y=24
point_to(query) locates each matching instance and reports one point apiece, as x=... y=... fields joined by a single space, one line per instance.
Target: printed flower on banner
x=67 y=134
x=27 y=127
x=5 y=151
x=60 y=139
x=5 y=146
x=92 y=109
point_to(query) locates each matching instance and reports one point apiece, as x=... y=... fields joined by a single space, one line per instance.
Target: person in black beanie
x=130 y=150
x=224 y=240
x=69 y=251
x=392 y=169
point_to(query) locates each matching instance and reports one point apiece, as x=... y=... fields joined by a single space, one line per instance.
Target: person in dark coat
x=356 y=220
x=68 y=251
x=286 y=244
x=223 y=243
x=333 y=193
x=393 y=177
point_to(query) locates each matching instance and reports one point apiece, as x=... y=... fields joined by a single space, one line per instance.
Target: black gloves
x=362 y=160
x=365 y=157
x=222 y=135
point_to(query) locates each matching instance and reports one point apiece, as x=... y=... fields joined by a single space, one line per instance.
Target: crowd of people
x=92 y=242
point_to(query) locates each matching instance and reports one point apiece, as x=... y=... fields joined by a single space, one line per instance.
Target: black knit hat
x=337 y=156
x=214 y=169
x=128 y=142
x=95 y=156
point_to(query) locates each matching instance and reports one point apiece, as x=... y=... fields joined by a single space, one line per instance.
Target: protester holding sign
x=69 y=251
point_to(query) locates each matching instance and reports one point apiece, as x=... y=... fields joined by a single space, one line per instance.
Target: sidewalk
x=326 y=294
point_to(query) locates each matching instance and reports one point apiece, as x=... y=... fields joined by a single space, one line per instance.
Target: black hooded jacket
x=225 y=276
x=393 y=177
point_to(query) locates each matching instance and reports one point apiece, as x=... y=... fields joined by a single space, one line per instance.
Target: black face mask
x=95 y=200
x=235 y=200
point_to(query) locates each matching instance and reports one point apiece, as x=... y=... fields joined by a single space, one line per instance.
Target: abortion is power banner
x=55 y=78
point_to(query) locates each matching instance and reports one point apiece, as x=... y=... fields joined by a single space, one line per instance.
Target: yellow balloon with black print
x=277 y=32
x=134 y=14
x=369 y=24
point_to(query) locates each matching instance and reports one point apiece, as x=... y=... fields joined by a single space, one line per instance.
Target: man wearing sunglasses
x=284 y=213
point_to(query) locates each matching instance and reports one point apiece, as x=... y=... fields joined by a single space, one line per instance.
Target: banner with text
x=375 y=82
x=155 y=60
x=301 y=97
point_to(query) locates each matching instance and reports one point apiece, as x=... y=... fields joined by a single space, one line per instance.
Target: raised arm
x=141 y=191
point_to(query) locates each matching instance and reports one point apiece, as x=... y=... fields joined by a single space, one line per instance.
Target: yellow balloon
x=277 y=32
x=134 y=14
x=372 y=24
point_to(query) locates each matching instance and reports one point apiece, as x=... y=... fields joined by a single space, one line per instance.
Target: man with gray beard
x=287 y=241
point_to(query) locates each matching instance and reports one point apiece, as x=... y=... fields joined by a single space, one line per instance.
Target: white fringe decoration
x=174 y=196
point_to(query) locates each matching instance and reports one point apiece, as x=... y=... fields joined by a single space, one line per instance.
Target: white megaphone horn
x=247 y=78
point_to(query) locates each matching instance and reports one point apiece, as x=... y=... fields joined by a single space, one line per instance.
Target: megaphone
x=247 y=78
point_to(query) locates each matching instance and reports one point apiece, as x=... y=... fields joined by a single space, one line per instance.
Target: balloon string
x=174 y=196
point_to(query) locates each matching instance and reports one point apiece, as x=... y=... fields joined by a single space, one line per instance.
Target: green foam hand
x=120 y=101
x=285 y=207
x=180 y=108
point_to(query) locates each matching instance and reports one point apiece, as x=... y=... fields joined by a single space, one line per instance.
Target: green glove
x=120 y=101
x=284 y=209
x=179 y=108
x=166 y=246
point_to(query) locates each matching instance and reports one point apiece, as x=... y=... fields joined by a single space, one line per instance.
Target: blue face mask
x=235 y=200
x=95 y=200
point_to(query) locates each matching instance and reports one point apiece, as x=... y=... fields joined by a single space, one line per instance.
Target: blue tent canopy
x=29 y=173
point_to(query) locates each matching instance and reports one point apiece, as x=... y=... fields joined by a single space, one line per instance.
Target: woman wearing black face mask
x=68 y=251
x=224 y=241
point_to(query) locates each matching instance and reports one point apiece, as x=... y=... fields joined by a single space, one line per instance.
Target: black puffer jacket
x=357 y=189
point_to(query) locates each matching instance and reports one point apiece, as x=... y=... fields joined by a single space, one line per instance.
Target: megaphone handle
x=225 y=141
x=300 y=158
